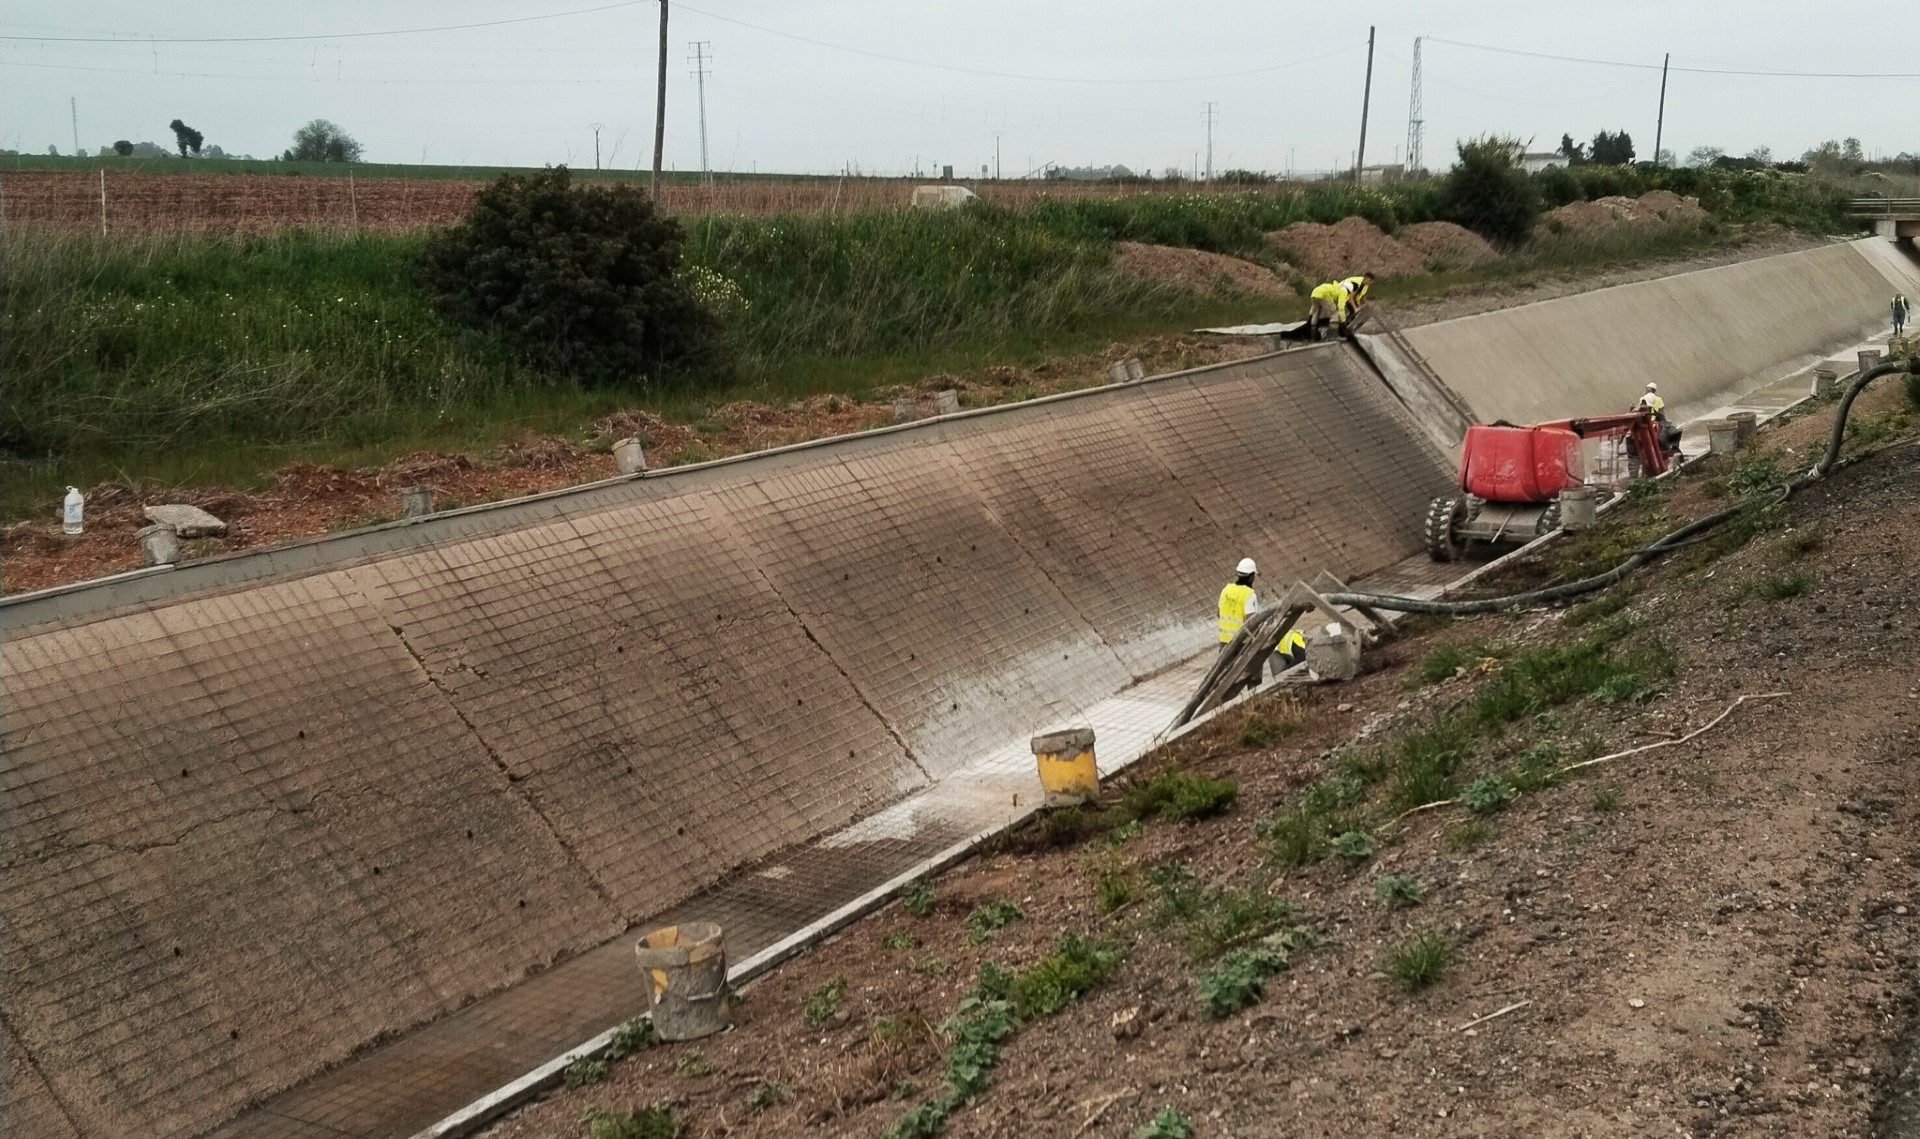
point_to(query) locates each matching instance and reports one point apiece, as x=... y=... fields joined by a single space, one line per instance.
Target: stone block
x=187 y=521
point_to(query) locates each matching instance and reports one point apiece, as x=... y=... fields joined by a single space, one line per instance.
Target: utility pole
x=700 y=58
x=1210 y=110
x=996 y=156
x=1416 y=116
x=660 y=108
x=1660 y=124
x=1366 y=100
x=596 y=143
x=73 y=106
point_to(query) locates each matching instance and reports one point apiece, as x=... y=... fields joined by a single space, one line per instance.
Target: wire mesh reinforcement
x=378 y=796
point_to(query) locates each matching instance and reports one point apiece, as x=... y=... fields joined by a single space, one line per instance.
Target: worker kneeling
x=1238 y=603
x=1669 y=434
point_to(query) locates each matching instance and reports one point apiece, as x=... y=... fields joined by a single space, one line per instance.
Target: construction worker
x=1327 y=304
x=1669 y=434
x=1238 y=603
x=1356 y=288
x=1901 y=311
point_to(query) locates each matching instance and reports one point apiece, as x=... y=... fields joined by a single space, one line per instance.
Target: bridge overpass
x=1897 y=219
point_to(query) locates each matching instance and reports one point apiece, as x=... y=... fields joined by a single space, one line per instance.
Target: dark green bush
x=579 y=282
x=1489 y=193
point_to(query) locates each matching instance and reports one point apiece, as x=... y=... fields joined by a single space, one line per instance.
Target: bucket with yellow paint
x=1068 y=772
x=686 y=970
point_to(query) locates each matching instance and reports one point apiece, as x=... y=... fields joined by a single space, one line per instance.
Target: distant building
x=1383 y=173
x=1536 y=162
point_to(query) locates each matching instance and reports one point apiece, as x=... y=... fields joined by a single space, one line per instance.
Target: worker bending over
x=1238 y=603
x=1356 y=288
x=1326 y=305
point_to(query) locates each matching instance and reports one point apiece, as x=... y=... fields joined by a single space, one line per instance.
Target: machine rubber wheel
x=1444 y=516
x=1549 y=520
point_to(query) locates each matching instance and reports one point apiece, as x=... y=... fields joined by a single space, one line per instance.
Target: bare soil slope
x=1717 y=937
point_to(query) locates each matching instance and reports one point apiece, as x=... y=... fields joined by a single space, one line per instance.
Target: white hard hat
x=1653 y=387
x=1246 y=566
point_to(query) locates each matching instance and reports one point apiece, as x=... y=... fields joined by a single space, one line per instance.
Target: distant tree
x=1664 y=158
x=1489 y=192
x=53 y=151
x=187 y=138
x=1761 y=154
x=1703 y=155
x=1850 y=151
x=1729 y=162
x=123 y=148
x=1611 y=149
x=322 y=141
x=214 y=151
x=1573 y=152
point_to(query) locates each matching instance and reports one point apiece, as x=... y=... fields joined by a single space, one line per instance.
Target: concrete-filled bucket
x=1069 y=774
x=686 y=970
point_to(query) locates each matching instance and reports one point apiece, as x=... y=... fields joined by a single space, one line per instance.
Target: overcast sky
x=815 y=85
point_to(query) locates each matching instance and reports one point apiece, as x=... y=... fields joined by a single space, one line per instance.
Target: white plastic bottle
x=76 y=508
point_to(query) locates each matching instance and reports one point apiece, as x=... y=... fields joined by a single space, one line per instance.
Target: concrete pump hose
x=1685 y=535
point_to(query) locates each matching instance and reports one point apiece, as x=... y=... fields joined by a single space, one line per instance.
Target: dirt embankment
x=1717 y=937
x=1654 y=208
x=1350 y=245
x=1197 y=271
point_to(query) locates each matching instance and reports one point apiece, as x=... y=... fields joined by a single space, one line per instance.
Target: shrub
x=1241 y=976
x=989 y=919
x=1487 y=794
x=1419 y=962
x=1075 y=966
x=1168 y=1124
x=586 y=1070
x=1179 y=794
x=1354 y=846
x=581 y=282
x=645 y=1123
x=916 y=897
x=1399 y=889
x=1489 y=193
x=1113 y=889
x=823 y=1002
x=633 y=1035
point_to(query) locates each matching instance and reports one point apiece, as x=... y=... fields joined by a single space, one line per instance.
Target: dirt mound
x=1197 y=271
x=1348 y=246
x=1447 y=246
x=1652 y=207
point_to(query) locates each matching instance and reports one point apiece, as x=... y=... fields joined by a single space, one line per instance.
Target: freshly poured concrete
x=1699 y=335
x=258 y=822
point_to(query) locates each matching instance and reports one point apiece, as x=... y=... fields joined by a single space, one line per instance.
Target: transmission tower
x=1416 y=121
x=701 y=55
x=1211 y=111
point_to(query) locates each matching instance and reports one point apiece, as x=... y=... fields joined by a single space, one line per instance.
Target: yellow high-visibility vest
x=1333 y=294
x=1233 y=609
x=1357 y=288
x=1293 y=640
x=1652 y=402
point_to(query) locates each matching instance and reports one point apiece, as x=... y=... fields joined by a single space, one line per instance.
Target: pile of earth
x=1446 y=246
x=1655 y=207
x=1198 y=271
x=1348 y=246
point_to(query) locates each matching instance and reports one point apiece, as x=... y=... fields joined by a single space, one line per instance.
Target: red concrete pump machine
x=1511 y=476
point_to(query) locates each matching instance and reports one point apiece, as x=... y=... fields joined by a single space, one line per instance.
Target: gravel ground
x=1716 y=938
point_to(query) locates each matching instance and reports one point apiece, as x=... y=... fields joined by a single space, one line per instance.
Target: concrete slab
x=187 y=521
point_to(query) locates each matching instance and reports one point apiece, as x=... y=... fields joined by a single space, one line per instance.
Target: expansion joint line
x=506 y=770
x=33 y=1062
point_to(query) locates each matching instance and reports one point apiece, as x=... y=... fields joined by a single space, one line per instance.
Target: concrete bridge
x=1897 y=219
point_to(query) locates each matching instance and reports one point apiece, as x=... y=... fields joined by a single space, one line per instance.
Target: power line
x=1692 y=70
x=1014 y=74
x=327 y=35
x=700 y=73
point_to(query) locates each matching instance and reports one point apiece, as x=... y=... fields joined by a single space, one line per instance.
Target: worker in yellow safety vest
x=1357 y=288
x=1238 y=602
x=1651 y=401
x=1327 y=304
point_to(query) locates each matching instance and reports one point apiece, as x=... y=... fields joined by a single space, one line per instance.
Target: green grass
x=1606 y=800
x=916 y=897
x=1466 y=835
x=1178 y=794
x=1261 y=732
x=584 y=1071
x=1446 y=661
x=1239 y=978
x=1418 y=963
x=1778 y=586
x=1399 y=890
